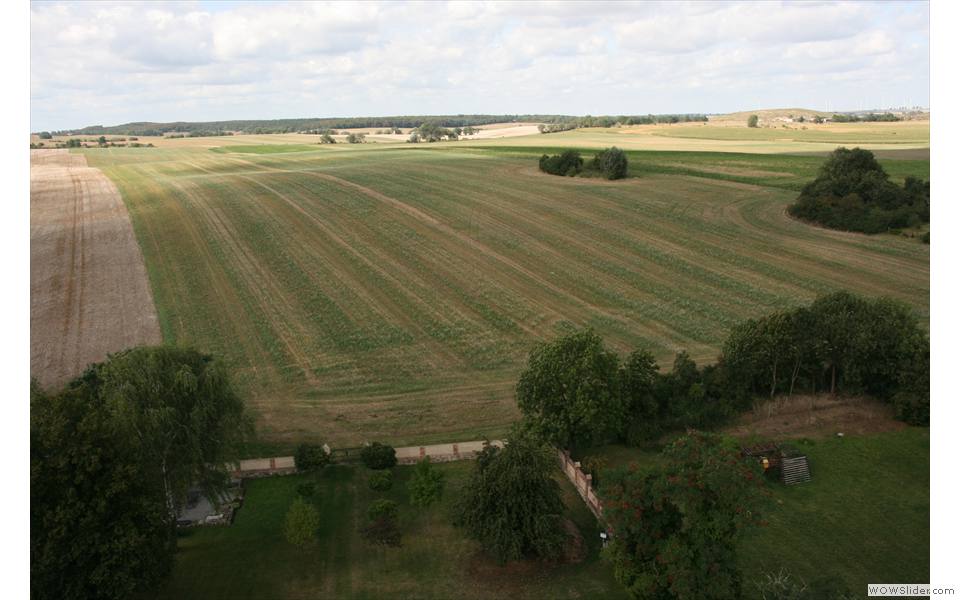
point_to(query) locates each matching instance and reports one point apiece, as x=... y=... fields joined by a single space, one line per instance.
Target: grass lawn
x=864 y=517
x=251 y=559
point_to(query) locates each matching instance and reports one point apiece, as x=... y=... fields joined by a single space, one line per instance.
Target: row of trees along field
x=575 y=392
x=610 y=163
x=853 y=192
x=111 y=459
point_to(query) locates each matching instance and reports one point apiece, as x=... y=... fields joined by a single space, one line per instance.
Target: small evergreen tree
x=301 y=523
x=426 y=484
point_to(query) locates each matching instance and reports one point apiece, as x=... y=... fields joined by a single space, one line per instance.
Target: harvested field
x=393 y=293
x=89 y=293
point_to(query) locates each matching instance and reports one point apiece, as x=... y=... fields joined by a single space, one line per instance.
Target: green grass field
x=378 y=292
x=863 y=518
x=251 y=559
x=263 y=149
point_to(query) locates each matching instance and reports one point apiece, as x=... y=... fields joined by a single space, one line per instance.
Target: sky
x=109 y=63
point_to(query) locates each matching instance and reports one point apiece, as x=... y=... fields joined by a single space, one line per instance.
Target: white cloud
x=117 y=62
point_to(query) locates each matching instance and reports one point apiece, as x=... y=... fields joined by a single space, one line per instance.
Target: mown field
x=252 y=560
x=393 y=292
x=863 y=518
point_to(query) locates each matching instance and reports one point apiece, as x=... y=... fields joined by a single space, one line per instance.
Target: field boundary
x=407 y=455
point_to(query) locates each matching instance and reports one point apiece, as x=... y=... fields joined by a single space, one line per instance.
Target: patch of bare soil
x=89 y=293
x=815 y=416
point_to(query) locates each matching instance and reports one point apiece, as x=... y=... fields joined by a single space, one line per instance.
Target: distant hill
x=768 y=114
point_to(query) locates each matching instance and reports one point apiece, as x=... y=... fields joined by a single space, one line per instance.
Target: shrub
x=378 y=456
x=381 y=481
x=311 y=457
x=568 y=163
x=610 y=163
x=382 y=523
x=306 y=490
x=753 y=121
x=302 y=522
x=426 y=485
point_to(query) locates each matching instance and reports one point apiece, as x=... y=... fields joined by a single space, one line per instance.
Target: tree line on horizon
x=263 y=126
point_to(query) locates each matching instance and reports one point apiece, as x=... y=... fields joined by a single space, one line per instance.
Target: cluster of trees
x=432 y=132
x=869 y=117
x=853 y=192
x=354 y=138
x=610 y=163
x=111 y=458
x=568 y=163
x=575 y=392
x=841 y=343
x=553 y=123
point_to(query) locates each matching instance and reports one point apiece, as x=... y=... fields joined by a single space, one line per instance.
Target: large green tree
x=569 y=393
x=98 y=527
x=512 y=504
x=182 y=410
x=675 y=530
x=112 y=457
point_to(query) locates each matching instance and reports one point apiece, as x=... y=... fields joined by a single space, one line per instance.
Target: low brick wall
x=442 y=452
x=582 y=481
x=263 y=467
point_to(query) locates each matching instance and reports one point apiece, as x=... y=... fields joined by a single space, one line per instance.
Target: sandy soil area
x=89 y=293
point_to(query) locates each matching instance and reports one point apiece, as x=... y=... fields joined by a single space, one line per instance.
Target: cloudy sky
x=116 y=62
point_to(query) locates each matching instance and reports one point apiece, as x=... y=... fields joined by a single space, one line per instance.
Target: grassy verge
x=251 y=559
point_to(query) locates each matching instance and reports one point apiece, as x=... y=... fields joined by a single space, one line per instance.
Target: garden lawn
x=251 y=559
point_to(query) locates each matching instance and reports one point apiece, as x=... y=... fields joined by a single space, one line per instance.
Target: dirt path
x=89 y=293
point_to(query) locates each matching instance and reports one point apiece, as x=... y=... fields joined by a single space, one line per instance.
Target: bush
x=306 y=490
x=753 y=121
x=382 y=523
x=381 y=481
x=426 y=485
x=311 y=457
x=611 y=163
x=301 y=524
x=568 y=163
x=378 y=456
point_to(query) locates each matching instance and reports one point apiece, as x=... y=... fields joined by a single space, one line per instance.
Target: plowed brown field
x=89 y=293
